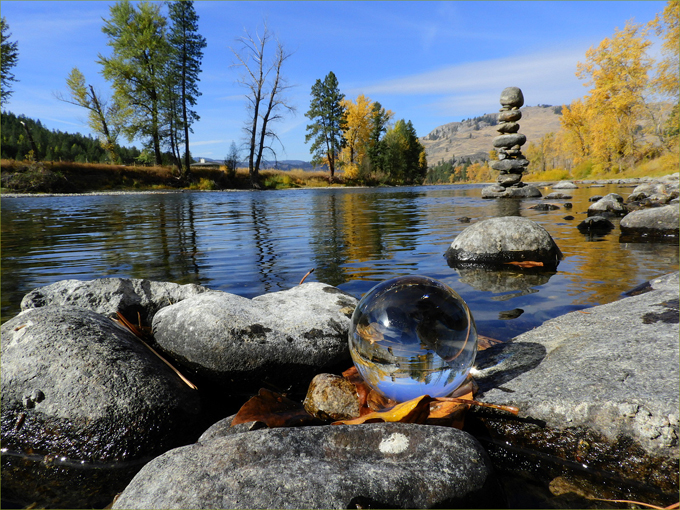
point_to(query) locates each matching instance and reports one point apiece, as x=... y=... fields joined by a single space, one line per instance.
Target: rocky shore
x=91 y=410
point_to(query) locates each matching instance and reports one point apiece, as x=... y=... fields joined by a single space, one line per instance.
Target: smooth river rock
x=564 y=185
x=84 y=406
x=610 y=205
x=509 y=140
x=497 y=241
x=110 y=295
x=386 y=465
x=519 y=190
x=656 y=222
x=512 y=97
x=597 y=387
x=279 y=338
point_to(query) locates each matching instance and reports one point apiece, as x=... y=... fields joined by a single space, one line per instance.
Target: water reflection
x=250 y=243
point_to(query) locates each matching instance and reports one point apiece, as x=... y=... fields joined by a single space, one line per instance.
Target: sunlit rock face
x=413 y=336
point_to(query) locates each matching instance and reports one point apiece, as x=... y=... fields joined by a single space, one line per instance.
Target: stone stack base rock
x=511 y=162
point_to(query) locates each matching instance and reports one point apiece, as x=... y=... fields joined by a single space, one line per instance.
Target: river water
x=252 y=242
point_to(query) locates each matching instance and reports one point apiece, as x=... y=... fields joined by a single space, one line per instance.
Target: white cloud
x=208 y=142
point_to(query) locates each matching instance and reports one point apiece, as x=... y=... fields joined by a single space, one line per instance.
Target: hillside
x=472 y=138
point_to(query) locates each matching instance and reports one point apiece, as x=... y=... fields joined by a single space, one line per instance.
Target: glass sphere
x=413 y=336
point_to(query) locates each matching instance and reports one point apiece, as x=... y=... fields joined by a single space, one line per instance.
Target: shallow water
x=252 y=242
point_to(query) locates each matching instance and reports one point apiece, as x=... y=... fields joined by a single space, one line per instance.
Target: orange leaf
x=484 y=342
x=526 y=263
x=412 y=411
x=274 y=410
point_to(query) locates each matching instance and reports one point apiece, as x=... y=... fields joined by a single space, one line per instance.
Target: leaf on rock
x=484 y=342
x=526 y=263
x=412 y=411
x=274 y=410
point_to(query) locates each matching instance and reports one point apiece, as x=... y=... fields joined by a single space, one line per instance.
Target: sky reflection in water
x=249 y=243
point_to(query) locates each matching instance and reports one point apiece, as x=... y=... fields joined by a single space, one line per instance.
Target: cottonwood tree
x=137 y=68
x=618 y=71
x=102 y=118
x=9 y=56
x=265 y=100
x=186 y=46
x=328 y=116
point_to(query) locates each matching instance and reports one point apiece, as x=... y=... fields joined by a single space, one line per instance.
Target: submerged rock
x=598 y=388
x=110 y=295
x=385 y=465
x=84 y=406
x=281 y=337
x=498 y=241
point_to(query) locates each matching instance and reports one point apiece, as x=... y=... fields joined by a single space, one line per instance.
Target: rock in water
x=497 y=241
x=652 y=223
x=84 y=406
x=380 y=465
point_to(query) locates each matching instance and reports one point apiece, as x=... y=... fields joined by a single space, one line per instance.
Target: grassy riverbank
x=58 y=177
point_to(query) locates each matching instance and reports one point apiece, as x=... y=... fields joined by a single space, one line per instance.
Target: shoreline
x=540 y=184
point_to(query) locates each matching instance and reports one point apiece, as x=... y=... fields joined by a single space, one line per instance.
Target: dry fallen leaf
x=274 y=410
x=412 y=411
x=526 y=263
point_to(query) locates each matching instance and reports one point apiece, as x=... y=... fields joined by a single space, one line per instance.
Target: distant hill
x=472 y=138
x=286 y=164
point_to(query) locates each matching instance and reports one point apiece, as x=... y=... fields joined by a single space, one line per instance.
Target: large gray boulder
x=386 y=465
x=609 y=206
x=564 y=185
x=84 y=406
x=110 y=295
x=280 y=337
x=654 y=222
x=520 y=190
x=497 y=241
x=597 y=387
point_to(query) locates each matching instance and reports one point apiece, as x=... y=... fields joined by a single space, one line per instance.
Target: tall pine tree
x=328 y=122
x=187 y=52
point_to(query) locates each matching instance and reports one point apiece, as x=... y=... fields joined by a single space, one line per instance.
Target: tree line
x=358 y=137
x=630 y=113
x=27 y=139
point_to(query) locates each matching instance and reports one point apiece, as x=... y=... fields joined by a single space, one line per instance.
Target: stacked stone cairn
x=511 y=162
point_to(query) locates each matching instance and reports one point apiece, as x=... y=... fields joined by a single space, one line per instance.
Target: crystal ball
x=413 y=336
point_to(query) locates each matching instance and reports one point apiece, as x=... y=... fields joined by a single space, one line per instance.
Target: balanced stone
x=509 y=141
x=510 y=165
x=507 y=180
x=512 y=96
x=509 y=116
x=508 y=127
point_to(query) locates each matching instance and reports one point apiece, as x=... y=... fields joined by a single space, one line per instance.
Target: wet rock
x=655 y=222
x=608 y=206
x=557 y=195
x=332 y=397
x=497 y=241
x=597 y=387
x=241 y=343
x=516 y=191
x=568 y=205
x=84 y=406
x=110 y=295
x=510 y=314
x=544 y=207
x=564 y=185
x=595 y=198
x=598 y=224
x=386 y=465
x=570 y=217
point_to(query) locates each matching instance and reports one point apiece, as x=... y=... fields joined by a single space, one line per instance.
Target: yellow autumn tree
x=356 y=134
x=667 y=80
x=618 y=71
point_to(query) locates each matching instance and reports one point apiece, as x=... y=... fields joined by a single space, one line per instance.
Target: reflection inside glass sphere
x=413 y=336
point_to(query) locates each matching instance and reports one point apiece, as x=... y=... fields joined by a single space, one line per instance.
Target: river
x=252 y=242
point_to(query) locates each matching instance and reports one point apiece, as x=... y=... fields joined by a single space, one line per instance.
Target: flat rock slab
x=84 y=406
x=495 y=191
x=386 y=465
x=598 y=387
x=281 y=337
x=107 y=296
x=655 y=222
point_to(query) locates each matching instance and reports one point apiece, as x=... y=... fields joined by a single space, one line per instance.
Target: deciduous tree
x=9 y=56
x=328 y=121
x=356 y=133
x=102 y=118
x=265 y=100
x=137 y=68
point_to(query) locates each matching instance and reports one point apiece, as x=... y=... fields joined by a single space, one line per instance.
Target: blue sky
x=429 y=62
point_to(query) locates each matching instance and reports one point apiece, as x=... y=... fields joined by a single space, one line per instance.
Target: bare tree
x=265 y=85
